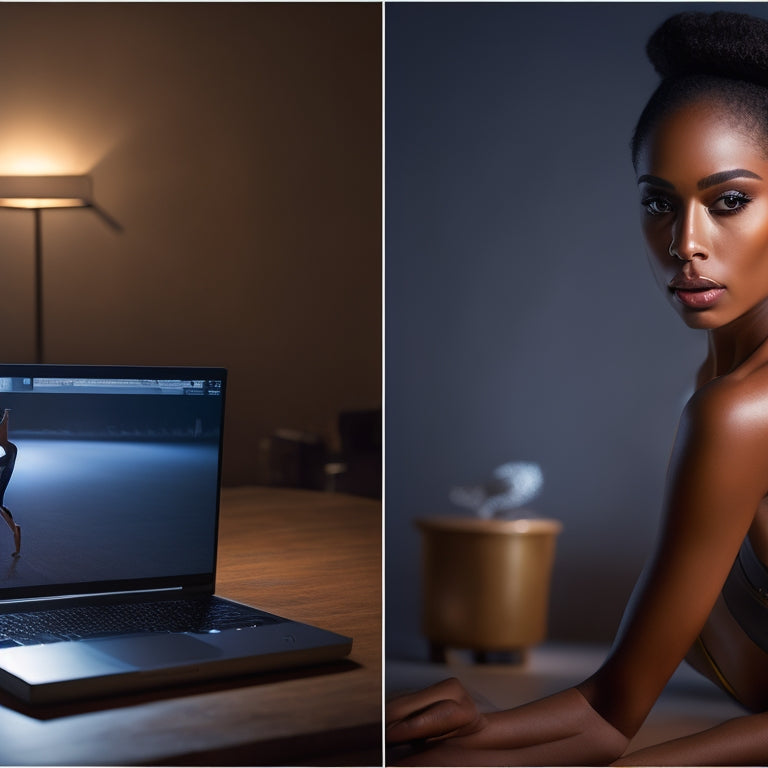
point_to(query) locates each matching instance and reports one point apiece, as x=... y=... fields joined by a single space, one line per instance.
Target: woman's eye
x=730 y=202
x=657 y=205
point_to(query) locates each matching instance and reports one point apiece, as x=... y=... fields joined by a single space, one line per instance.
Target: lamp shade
x=45 y=192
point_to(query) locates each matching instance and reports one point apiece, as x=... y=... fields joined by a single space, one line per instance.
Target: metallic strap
x=746 y=594
x=724 y=684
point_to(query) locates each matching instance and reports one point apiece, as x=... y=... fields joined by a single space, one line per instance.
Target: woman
x=7 y=462
x=700 y=152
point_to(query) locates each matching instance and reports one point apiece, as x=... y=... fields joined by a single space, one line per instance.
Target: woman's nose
x=688 y=236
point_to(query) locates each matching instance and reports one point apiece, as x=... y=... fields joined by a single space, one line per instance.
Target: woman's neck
x=732 y=345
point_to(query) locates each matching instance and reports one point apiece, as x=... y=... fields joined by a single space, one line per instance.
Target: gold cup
x=486 y=582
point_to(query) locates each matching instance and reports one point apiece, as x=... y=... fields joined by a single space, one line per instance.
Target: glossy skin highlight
x=703 y=182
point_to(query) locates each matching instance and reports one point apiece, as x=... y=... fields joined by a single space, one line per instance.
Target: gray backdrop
x=522 y=322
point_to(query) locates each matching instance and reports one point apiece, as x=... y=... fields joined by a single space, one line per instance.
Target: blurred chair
x=298 y=459
x=357 y=467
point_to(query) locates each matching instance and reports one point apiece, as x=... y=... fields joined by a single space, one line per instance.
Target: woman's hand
x=437 y=712
x=561 y=729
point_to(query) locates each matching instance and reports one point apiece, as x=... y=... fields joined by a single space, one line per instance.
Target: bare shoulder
x=731 y=404
x=718 y=470
x=735 y=396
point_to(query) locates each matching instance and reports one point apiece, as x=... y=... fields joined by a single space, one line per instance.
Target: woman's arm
x=743 y=741
x=562 y=729
x=718 y=474
x=717 y=477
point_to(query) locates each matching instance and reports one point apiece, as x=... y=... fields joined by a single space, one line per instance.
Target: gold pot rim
x=519 y=526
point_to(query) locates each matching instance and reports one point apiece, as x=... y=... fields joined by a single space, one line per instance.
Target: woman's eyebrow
x=656 y=181
x=708 y=181
x=722 y=176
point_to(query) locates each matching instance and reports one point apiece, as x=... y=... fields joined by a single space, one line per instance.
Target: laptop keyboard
x=93 y=621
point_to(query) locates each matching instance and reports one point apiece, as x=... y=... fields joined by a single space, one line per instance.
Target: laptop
x=109 y=502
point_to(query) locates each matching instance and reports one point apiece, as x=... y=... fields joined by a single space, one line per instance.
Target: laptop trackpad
x=152 y=650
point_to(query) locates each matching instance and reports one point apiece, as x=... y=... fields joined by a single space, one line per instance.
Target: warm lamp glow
x=35 y=192
x=42 y=202
x=33 y=165
x=39 y=137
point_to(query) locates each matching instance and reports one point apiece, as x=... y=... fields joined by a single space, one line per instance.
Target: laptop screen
x=112 y=475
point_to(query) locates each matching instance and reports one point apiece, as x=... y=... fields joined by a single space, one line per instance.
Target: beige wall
x=239 y=148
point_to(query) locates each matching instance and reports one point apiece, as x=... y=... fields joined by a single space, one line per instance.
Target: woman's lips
x=696 y=292
x=699 y=299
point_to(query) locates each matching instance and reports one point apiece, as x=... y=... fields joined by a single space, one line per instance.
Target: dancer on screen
x=7 y=462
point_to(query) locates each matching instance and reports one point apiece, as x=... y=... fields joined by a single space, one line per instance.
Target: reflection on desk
x=310 y=556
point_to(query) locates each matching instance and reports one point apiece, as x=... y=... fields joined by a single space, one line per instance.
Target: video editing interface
x=108 y=479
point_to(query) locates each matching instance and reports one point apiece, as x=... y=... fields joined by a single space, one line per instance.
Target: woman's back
x=724 y=651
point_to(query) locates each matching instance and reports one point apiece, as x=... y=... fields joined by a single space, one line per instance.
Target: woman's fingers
x=445 y=709
x=403 y=706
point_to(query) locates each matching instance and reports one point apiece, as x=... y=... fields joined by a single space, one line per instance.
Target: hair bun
x=723 y=44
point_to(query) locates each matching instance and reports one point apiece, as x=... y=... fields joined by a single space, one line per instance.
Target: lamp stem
x=38 y=286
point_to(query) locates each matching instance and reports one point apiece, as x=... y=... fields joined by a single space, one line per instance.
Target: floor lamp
x=36 y=193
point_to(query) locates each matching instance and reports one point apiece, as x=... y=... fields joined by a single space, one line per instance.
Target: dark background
x=522 y=320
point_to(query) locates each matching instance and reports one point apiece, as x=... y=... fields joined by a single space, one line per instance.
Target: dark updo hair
x=721 y=56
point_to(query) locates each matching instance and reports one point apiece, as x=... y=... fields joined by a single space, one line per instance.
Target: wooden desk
x=310 y=556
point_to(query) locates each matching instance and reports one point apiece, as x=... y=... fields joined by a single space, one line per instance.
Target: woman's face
x=704 y=206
